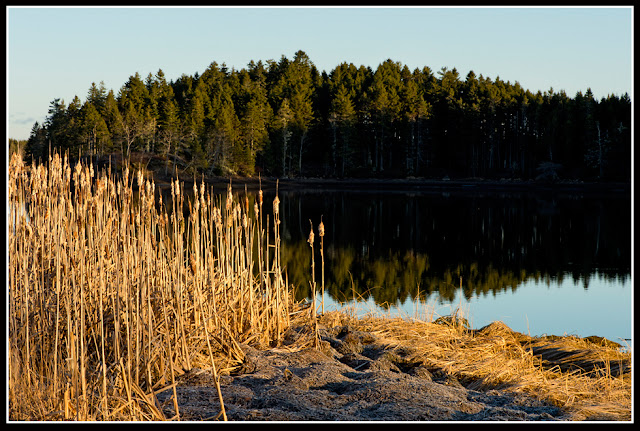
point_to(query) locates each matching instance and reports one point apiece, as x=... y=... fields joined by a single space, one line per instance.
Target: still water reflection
x=560 y=258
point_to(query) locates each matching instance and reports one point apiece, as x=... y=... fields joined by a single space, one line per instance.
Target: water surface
x=542 y=262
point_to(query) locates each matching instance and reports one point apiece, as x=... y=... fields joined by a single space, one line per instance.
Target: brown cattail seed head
x=321 y=228
x=311 y=235
x=192 y=262
x=229 y=198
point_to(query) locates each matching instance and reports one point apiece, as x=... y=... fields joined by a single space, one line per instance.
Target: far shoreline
x=466 y=185
x=372 y=184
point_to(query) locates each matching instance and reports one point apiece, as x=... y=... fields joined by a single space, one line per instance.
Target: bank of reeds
x=112 y=295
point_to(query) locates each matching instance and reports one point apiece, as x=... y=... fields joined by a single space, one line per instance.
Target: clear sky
x=58 y=52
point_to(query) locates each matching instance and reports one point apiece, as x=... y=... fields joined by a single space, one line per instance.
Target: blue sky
x=58 y=52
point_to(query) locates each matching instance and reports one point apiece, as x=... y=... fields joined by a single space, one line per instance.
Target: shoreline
x=377 y=369
x=409 y=184
x=414 y=185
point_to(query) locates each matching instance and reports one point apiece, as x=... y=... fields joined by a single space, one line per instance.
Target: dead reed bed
x=112 y=295
x=589 y=381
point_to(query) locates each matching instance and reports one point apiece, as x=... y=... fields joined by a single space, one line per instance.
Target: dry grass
x=111 y=296
x=589 y=381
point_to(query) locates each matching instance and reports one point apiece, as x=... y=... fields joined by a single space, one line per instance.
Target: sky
x=58 y=52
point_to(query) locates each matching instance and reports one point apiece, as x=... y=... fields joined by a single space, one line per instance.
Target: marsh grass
x=112 y=295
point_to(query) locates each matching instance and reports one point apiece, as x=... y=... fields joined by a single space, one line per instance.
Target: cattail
x=311 y=235
x=260 y=196
x=276 y=206
x=192 y=263
x=321 y=228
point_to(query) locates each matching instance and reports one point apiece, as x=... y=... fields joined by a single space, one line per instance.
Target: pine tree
x=113 y=120
x=97 y=96
x=342 y=118
x=415 y=110
x=74 y=122
x=282 y=122
x=254 y=115
x=168 y=126
x=56 y=124
x=36 y=148
x=94 y=130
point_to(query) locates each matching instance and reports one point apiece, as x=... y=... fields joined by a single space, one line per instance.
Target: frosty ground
x=357 y=375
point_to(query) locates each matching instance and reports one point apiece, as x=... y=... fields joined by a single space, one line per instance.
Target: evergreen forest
x=287 y=119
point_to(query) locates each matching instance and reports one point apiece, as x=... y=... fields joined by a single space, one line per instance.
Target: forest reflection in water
x=394 y=246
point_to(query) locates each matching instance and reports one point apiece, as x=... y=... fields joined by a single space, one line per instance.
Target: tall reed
x=112 y=295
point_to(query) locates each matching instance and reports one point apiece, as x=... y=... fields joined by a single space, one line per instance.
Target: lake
x=543 y=262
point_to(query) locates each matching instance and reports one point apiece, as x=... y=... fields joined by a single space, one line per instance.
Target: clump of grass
x=111 y=296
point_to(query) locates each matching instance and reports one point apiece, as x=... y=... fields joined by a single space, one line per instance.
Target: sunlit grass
x=111 y=296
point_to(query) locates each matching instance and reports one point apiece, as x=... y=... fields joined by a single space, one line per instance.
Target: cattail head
x=192 y=263
x=321 y=228
x=311 y=235
x=260 y=196
x=276 y=206
x=229 y=198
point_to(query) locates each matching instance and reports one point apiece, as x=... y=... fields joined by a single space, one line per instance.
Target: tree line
x=285 y=118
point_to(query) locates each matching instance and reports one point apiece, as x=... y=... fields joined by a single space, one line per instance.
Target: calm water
x=543 y=263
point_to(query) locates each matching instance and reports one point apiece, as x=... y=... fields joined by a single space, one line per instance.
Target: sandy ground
x=350 y=377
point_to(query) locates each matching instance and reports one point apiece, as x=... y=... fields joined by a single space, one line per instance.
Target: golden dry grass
x=588 y=381
x=111 y=296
